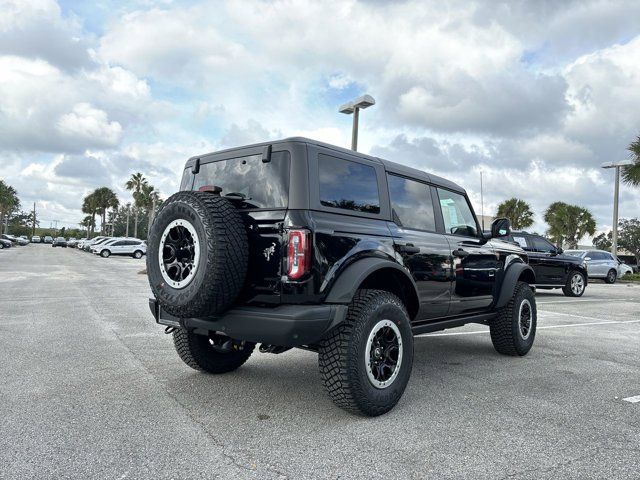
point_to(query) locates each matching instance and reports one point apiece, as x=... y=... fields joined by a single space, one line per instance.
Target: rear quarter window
x=348 y=185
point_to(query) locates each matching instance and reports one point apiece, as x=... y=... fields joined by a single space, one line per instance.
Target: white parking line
x=635 y=399
x=544 y=327
x=583 y=300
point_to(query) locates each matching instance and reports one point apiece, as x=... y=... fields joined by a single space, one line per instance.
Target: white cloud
x=91 y=125
x=536 y=94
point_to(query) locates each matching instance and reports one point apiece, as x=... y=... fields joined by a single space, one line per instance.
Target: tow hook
x=267 y=348
x=170 y=330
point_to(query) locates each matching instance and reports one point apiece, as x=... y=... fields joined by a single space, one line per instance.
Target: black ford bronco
x=297 y=243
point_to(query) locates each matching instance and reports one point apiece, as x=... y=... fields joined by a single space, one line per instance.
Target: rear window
x=260 y=185
x=348 y=185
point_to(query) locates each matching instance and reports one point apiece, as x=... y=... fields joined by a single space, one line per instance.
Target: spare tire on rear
x=197 y=254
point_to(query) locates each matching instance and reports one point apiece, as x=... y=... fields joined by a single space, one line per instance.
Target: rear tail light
x=298 y=254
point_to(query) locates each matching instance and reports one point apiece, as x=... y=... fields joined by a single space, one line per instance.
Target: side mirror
x=500 y=227
x=559 y=250
x=587 y=258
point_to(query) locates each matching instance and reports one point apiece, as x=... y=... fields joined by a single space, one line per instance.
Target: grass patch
x=635 y=277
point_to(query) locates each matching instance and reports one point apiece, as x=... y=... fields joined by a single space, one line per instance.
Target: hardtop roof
x=390 y=166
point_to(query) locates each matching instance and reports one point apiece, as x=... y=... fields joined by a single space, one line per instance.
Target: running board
x=437 y=325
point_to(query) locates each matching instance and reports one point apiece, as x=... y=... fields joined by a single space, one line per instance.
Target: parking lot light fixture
x=354 y=107
x=616 y=193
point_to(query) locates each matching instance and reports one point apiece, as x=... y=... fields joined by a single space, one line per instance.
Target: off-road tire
x=196 y=351
x=105 y=253
x=611 y=277
x=342 y=355
x=505 y=332
x=567 y=287
x=223 y=255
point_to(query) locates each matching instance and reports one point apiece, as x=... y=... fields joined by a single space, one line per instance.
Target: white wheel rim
x=173 y=271
x=371 y=350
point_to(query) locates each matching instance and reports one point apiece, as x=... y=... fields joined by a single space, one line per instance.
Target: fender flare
x=510 y=280
x=344 y=288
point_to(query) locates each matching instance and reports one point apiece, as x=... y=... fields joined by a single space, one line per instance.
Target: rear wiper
x=237 y=195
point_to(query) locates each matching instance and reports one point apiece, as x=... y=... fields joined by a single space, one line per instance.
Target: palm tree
x=90 y=207
x=105 y=199
x=631 y=174
x=135 y=184
x=9 y=202
x=148 y=199
x=87 y=222
x=568 y=223
x=517 y=211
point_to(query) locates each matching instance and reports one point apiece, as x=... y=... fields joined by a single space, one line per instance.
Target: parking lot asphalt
x=90 y=387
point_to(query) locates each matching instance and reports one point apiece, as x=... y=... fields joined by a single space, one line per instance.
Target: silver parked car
x=624 y=269
x=600 y=264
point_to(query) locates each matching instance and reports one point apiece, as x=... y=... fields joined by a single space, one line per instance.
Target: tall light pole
x=614 y=234
x=354 y=107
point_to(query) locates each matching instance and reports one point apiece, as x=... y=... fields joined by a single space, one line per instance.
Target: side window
x=541 y=245
x=594 y=255
x=522 y=241
x=458 y=219
x=411 y=204
x=187 y=177
x=348 y=185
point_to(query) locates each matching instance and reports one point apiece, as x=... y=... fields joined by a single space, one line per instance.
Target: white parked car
x=121 y=246
x=35 y=239
x=624 y=269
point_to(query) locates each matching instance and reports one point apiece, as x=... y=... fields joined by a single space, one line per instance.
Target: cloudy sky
x=534 y=94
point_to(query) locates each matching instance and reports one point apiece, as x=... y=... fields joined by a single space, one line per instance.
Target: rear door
x=424 y=251
x=596 y=265
x=259 y=190
x=475 y=262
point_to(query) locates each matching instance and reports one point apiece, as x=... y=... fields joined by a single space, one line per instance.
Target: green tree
x=86 y=223
x=134 y=185
x=148 y=199
x=90 y=207
x=9 y=203
x=105 y=199
x=22 y=223
x=631 y=174
x=568 y=223
x=603 y=241
x=517 y=211
x=629 y=236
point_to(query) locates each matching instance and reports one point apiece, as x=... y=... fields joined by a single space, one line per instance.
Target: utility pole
x=128 y=208
x=33 y=230
x=152 y=214
x=481 y=201
x=616 y=194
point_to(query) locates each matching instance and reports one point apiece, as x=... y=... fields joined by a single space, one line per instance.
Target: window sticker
x=521 y=241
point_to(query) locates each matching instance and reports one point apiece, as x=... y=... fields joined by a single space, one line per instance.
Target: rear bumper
x=286 y=325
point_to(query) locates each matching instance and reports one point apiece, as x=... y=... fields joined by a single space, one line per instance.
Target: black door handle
x=460 y=253
x=408 y=248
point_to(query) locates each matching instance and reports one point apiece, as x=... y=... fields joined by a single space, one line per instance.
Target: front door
x=424 y=252
x=475 y=262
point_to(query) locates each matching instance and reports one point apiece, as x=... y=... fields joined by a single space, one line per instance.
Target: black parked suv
x=297 y=243
x=553 y=268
